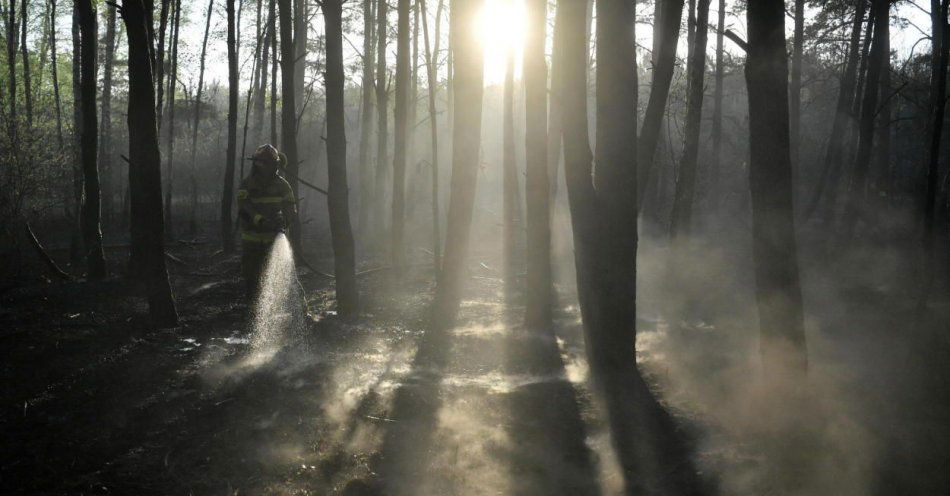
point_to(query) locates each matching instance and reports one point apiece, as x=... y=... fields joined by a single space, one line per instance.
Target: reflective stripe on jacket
x=260 y=198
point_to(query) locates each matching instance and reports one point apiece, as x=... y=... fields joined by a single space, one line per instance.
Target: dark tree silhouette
x=288 y=109
x=366 y=119
x=338 y=198
x=106 y=148
x=145 y=175
x=401 y=133
x=227 y=196
x=89 y=141
x=193 y=212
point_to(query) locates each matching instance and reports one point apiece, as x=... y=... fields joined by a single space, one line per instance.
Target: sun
x=501 y=25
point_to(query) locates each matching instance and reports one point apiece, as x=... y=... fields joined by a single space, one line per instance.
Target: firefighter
x=266 y=207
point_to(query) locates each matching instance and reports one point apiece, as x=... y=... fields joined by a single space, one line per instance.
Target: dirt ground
x=97 y=401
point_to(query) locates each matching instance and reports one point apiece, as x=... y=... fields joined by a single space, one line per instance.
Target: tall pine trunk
x=686 y=178
x=170 y=129
x=54 y=67
x=795 y=89
x=858 y=190
x=27 y=77
x=301 y=16
x=106 y=149
x=667 y=37
x=91 y=209
x=145 y=174
x=366 y=120
x=401 y=133
x=467 y=83
x=382 y=130
x=11 y=69
x=716 y=159
x=537 y=187
x=511 y=201
x=288 y=115
x=433 y=87
x=193 y=211
x=774 y=251
x=273 y=73
x=159 y=55
x=227 y=198
x=344 y=256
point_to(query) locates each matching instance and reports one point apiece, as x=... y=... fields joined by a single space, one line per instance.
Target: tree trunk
x=467 y=91
x=301 y=20
x=262 y=67
x=145 y=174
x=106 y=149
x=555 y=107
x=288 y=115
x=366 y=120
x=778 y=291
x=686 y=178
x=11 y=69
x=795 y=91
x=159 y=62
x=433 y=87
x=344 y=256
x=193 y=221
x=401 y=133
x=882 y=128
x=842 y=120
x=27 y=79
x=604 y=219
x=170 y=132
x=716 y=159
x=511 y=203
x=938 y=105
x=382 y=130
x=273 y=73
x=91 y=232
x=58 y=101
x=227 y=236
x=667 y=37
x=857 y=192
x=75 y=248
x=537 y=187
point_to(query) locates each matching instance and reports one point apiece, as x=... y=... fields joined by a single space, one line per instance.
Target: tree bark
x=58 y=101
x=857 y=192
x=159 y=62
x=366 y=120
x=301 y=20
x=882 y=128
x=778 y=290
x=467 y=92
x=273 y=73
x=716 y=159
x=795 y=91
x=686 y=179
x=11 y=68
x=382 y=130
x=263 y=67
x=193 y=214
x=555 y=107
x=227 y=198
x=537 y=187
x=170 y=132
x=106 y=148
x=91 y=232
x=401 y=133
x=667 y=37
x=433 y=87
x=288 y=115
x=344 y=256
x=145 y=175
x=511 y=202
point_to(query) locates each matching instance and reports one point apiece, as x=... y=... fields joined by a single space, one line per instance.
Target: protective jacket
x=264 y=203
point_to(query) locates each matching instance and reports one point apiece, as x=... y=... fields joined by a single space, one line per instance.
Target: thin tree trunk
x=466 y=129
x=432 y=83
x=170 y=133
x=273 y=73
x=159 y=62
x=145 y=174
x=344 y=256
x=92 y=234
x=795 y=91
x=75 y=248
x=538 y=292
x=382 y=130
x=227 y=198
x=193 y=221
x=555 y=108
x=366 y=120
x=262 y=67
x=778 y=290
x=666 y=38
x=11 y=68
x=857 y=192
x=842 y=120
x=27 y=78
x=301 y=17
x=106 y=149
x=288 y=116
x=511 y=204
x=401 y=132
x=58 y=101
x=686 y=179
x=882 y=152
x=716 y=159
